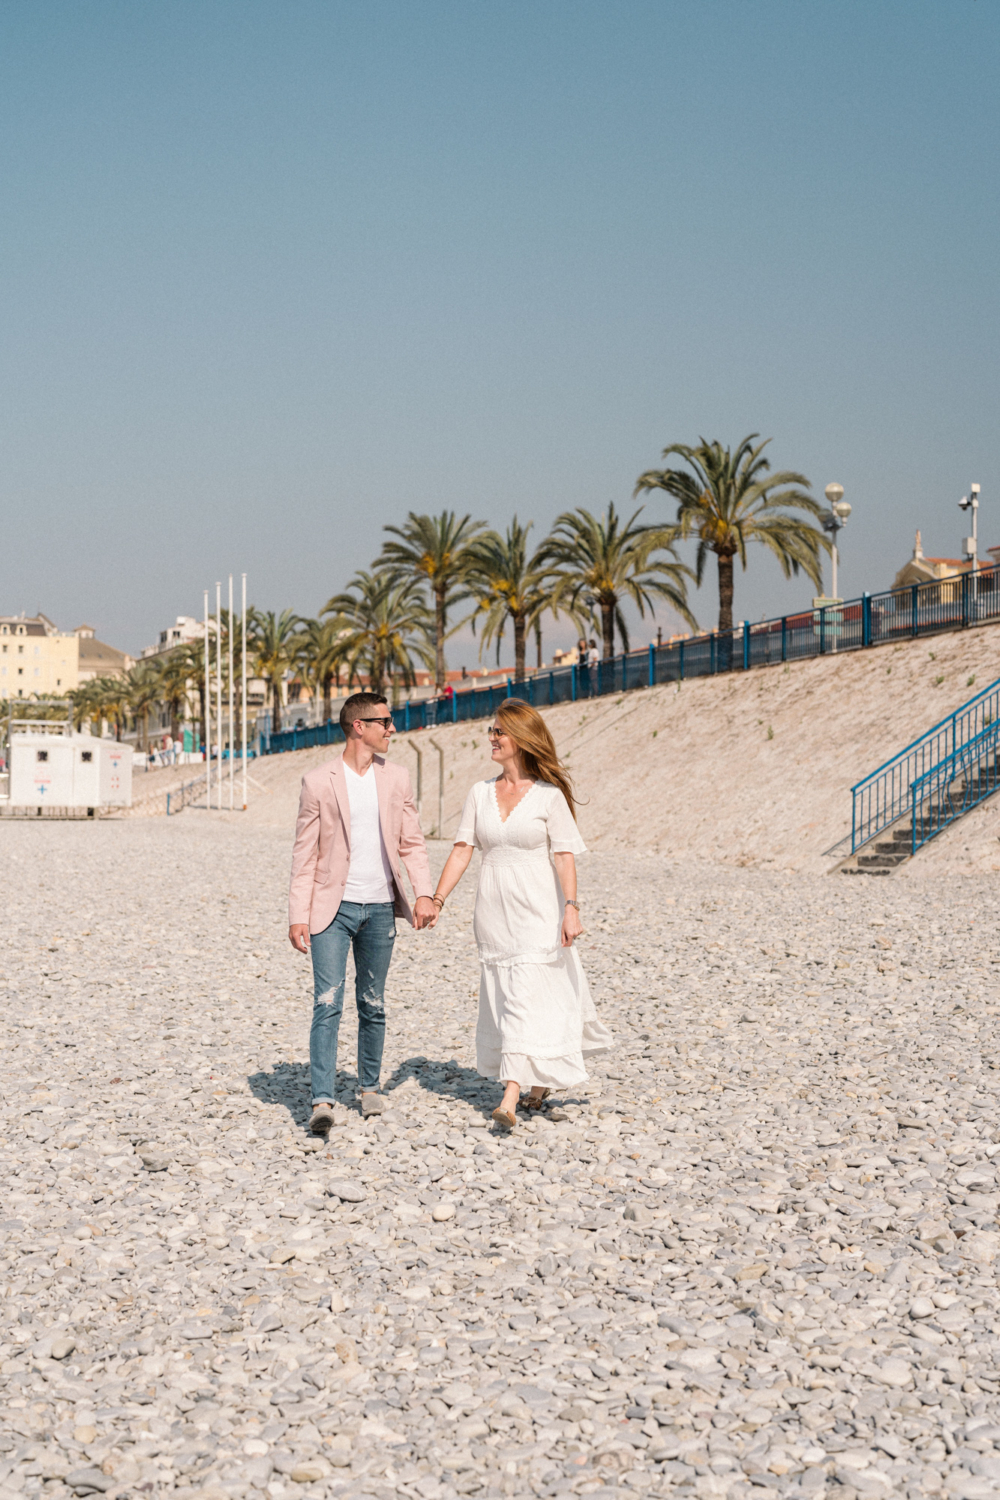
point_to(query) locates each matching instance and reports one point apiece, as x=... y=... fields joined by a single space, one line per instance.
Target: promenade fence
x=951 y=603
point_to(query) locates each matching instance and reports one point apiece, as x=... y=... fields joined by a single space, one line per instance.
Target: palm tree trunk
x=326 y=696
x=439 y=640
x=608 y=629
x=538 y=643
x=725 y=592
x=519 y=648
x=275 y=705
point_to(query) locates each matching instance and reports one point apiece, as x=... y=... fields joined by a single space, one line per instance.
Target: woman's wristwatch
x=573 y=903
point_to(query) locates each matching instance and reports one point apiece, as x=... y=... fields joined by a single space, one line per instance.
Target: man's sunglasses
x=384 y=722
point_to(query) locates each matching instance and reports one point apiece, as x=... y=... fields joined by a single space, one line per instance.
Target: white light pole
x=971 y=543
x=834 y=522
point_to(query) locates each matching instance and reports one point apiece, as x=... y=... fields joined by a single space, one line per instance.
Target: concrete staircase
x=945 y=803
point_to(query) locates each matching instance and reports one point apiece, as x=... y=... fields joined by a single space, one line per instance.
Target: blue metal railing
x=958 y=783
x=885 y=794
x=949 y=603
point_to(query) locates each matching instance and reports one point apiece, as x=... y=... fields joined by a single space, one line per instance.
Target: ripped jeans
x=371 y=930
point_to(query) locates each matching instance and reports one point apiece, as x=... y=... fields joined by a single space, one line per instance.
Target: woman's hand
x=572 y=927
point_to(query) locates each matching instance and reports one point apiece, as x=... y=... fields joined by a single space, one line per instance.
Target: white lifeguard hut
x=55 y=771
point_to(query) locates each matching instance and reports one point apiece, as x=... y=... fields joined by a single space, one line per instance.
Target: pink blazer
x=322 y=854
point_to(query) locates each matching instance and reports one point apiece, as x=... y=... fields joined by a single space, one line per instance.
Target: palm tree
x=731 y=499
x=434 y=550
x=508 y=585
x=595 y=562
x=320 y=656
x=143 y=688
x=274 y=649
x=386 y=623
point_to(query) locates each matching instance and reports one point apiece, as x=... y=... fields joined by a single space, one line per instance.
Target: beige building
x=97 y=659
x=36 y=659
x=921 y=569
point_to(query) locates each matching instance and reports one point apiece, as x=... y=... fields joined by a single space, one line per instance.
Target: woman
x=536 y=1017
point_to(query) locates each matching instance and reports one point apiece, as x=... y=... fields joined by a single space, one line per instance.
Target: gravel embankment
x=756 y=1257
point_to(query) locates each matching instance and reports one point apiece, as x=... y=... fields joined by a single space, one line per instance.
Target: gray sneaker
x=322 y=1119
x=371 y=1103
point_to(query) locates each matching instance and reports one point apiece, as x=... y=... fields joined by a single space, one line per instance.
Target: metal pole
x=243 y=690
x=218 y=689
x=833 y=554
x=207 y=726
x=440 y=827
x=230 y=633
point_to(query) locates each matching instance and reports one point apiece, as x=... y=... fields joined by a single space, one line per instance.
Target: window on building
x=20 y=650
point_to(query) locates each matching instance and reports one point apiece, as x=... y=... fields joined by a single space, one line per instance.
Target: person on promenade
x=536 y=1016
x=357 y=821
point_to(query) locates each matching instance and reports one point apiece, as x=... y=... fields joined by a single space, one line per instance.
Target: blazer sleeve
x=412 y=849
x=305 y=854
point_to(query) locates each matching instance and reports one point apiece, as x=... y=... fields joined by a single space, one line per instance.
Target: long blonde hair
x=535 y=744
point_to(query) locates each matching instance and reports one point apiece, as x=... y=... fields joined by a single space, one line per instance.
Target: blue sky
x=275 y=274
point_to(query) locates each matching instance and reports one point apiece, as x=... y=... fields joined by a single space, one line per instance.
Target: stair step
x=881 y=861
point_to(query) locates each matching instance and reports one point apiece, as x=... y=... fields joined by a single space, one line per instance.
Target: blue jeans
x=371 y=931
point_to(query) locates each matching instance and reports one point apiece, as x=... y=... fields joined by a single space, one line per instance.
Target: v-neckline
x=496 y=800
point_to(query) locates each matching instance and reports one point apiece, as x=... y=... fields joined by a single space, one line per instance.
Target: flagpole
x=232 y=737
x=243 y=693
x=207 y=726
x=218 y=687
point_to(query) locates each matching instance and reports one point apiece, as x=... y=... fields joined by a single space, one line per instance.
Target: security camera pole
x=971 y=543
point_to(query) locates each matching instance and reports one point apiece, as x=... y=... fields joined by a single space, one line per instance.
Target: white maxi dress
x=536 y=1017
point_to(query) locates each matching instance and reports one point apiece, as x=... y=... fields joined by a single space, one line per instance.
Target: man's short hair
x=359 y=706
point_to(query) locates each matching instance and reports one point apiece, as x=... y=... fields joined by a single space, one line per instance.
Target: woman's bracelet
x=573 y=903
x=439 y=902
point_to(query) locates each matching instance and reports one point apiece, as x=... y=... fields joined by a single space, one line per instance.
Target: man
x=357 y=821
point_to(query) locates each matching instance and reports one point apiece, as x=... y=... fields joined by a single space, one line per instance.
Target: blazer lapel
x=340 y=792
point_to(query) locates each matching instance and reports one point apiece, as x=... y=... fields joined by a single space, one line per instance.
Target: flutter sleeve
x=467 y=822
x=564 y=836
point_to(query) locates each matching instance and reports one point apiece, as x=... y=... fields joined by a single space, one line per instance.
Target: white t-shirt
x=369 y=878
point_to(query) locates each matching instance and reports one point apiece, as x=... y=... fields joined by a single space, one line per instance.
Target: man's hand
x=298 y=936
x=425 y=913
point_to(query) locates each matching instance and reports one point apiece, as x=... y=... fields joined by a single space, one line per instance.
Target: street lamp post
x=833 y=522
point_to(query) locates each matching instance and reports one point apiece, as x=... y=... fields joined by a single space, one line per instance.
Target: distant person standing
x=536 y=1017
x=357 y=821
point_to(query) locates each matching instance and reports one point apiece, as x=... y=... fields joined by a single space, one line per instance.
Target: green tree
x=386 y=623
x=596 y=562
x=507 y=584
x=275 y=646
x=435 y=551
x=729 y=499
x=321 y=654
x=143 y=690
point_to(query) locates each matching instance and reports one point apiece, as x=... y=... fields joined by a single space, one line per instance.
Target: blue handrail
x=885 y=793
x=958 y=783
x=949 y=603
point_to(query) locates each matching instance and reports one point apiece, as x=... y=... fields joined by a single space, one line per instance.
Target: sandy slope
x=752 y=770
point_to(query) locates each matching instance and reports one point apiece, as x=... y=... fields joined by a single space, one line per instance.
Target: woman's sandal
x=536 y=1101
x=503 y=1118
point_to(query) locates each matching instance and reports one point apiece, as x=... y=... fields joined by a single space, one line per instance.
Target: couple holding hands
x=358 y=824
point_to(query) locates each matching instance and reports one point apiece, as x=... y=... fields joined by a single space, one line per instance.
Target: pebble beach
x=755 y=1256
